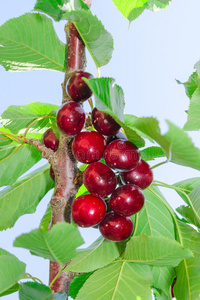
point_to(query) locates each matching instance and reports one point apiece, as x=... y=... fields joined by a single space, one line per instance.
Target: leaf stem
x=160 y=164
x=12 y=137
x=176 y=188
x=35 y=279
x=52 y=282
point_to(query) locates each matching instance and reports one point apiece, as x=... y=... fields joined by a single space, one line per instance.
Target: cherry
x=77 y=88
x=99 y=179
x=49 y=140
x=88 y=146
x=51 y=173
x=70 y=118
x=104 y=123
x=88 y=210
x=142 y=175
x=121 y=155
x=172 y=287
x=116 y=228
x=127 y=200
x=119 y=136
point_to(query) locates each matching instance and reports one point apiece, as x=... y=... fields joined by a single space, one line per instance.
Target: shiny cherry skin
x=88 y=146
x=51 y=173
x=142 y=175
x=121 y=155
x=50 y=140
x=77 y=88
x=104 y=123
x=99 y=179
x=88 y=210
x=119 y=136
x=116 y=228
x=71 y=118
x=127 y=200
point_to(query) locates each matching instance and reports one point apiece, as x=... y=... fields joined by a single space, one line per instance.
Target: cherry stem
x=35 y=279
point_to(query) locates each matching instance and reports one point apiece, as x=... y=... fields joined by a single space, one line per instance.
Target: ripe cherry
x=77 y=88
x=71 y=118
x=104 y=123
x=116 y=228
x=88 y=210
x=142 y=175
x=88 y=146
x=51 y=173
x=127 y=200
x=121 y=155
x=99 y=179
x=49 y=140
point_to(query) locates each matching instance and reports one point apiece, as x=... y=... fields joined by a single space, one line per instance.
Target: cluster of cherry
x=99 y=178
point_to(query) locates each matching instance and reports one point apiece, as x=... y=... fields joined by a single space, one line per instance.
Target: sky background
x=157 y=49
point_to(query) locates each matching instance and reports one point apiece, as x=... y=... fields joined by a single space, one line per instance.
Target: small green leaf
x=77 y=284
x=187 y=286
x=163 y=278
x=44 y=223
x=82 y=191
x=11 y=270
x=191 y=85
x=11 y=290
x=53 y=245
x=187 y=186
x=109 y=97
x=56 y=8
x=15 y=160
x=150 y=153
x=188 y=213
x=29 y=42
x=17 y=118
x=98 y=255
x=96 y=38
x=193 y=122
x=121 y=280
x=24 y=196
x=155 y=251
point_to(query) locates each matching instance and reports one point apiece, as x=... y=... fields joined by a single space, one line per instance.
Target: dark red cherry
x=119 y=136
x=51 y=173
x=172 y=287
x=71 y=118
x=77 y=88
x=99 y=179
x=88 y=146
x=116 y=228
x=142 y=175
x=50 y=140
x=121 y=155
x=104 y=123
x=127 y=200
x=88 y=210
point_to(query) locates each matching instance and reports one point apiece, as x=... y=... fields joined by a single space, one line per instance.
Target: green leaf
x=187 y=186
x=24 y=196
x=109 y=97
x=97 y=255
x=11 y=290
x=193 y=122
x=56 y=8
x=191 y=85
x=96 y=38
x=82 y=191
x=155 y=251
x=29 y=42
x=19 y=117
x=121 y=280
x=53 y=245
x=188 y=213
x=15 y=160
x=77 y=284
x=176 y=144
x=11 y=270
x=163 y=278
x=194 y=197
x=132 y=9
x=187 y=286
x=44 y=223
x=150 y=153
x=37 y=291
x=155 y=218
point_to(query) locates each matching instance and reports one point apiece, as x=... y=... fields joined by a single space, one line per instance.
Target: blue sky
x=157 y=49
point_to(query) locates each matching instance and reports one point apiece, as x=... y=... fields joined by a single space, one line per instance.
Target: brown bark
x=63 y=163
